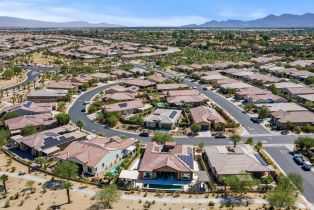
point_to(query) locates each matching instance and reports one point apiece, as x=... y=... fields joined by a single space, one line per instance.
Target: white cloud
x=241 y=13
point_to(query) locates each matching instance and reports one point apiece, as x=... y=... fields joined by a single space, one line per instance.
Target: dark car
x=284 y=132
x=83 y=110
x=144 y=134
x=298 y=159
x=256 y=120
x=307 y=166
x=205 y=88
x=220 y=136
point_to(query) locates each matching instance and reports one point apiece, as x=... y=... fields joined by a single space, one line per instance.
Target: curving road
x=30 y=76
x=94 y=127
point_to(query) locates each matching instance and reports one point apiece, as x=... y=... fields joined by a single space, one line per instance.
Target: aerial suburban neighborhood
x=212 y=116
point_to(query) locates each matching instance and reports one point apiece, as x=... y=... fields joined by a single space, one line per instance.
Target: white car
x=86 y=102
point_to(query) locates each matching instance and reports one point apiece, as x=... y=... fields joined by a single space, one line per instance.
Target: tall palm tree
x=4 y=178
x=68 y=185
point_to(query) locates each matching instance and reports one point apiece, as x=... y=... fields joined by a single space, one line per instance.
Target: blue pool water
x=163 y=187
x=114 y=169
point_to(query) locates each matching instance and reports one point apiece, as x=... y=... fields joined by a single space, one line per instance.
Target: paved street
x=31 y=76
x=93 y=127
x=232 y=109
x=283 y=158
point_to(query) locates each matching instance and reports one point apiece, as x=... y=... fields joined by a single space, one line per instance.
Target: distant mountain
x=270 y=21
x=12 y=22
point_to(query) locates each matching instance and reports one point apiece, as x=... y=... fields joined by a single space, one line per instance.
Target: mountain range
x=12 y=22
x=270 y=21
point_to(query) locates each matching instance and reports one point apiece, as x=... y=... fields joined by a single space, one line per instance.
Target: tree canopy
x=162 y=137
x=66 y=170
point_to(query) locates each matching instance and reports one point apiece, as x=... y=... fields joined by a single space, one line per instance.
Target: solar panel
x=188 y=159
x=123 y=105
x=190 y=150
x=261 y=160
x=172 y=114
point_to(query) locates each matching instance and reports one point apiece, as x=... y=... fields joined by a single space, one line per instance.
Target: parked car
x=86 y=102
x=205 y=88
x=83 y=110
x=220 y=136
x=298 y=158
x=144 y=134
x=307 y=165
x=284 y=132
x=256 y=120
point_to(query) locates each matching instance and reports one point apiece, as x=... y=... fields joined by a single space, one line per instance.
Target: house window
x=90 y=170
x=186 y=176
x=147 y=175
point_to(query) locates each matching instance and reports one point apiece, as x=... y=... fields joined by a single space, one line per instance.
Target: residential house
x=167 y=162
x=282 y=119
x=61 y=85
x=284 y=86
x=128 y=107
x=306 y=98
x=294 y=92
x=118 y=97
x=98 y=154
x=242 y=93
x=206 y=117
x=28 y=108
x=224 y=160
x=157 y=78
x=121 y=73
x=40 y=121
x=141 y=83
x=47 y=95
x=121 y=89
x=48 y=142
x=169 y=87
x=264 y=99
x=287 y=107
x=163 y=118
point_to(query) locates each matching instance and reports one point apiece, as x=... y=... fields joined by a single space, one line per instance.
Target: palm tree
x=4 y=178
x=68 y=185
x=259 y=146
x=235 y=138
x=80 y=124
x=29 y=163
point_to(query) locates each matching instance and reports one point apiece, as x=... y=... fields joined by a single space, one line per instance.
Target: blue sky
x=150 y=12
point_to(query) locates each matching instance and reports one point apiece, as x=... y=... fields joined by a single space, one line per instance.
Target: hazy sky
x=151 y=12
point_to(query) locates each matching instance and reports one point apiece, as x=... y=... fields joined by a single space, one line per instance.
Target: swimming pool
x=163 y=187
x=114 y=169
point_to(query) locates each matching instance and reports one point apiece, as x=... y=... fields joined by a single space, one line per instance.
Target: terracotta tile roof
x=138 y=82
x=173 y=93
x=29 y=106
x=242 y=160
x=155 y=158
x=119 y=96
x=36 y=120
x=186 y=99
x=162 y=87
x=116 y=107
x=87 y=153
x=207 y=115
x=63 y=85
